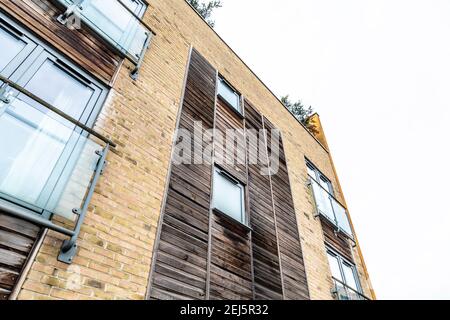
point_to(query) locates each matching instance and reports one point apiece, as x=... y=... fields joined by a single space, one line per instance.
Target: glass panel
x=311 y=172
x=74 y=188
x=353 y=295
x=323 y=201
x=133 y=5
x=228 y=197
x=34 y=152
x=230 y=96
x=10 y=47
x=341 y=291
x=349 y=274
x=117 y=25
x=334 y=266
x=325 y=184
x=341 y=217
x=60 y=89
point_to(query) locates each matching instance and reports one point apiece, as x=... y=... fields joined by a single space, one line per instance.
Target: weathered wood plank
x=19 y=226
x=16 y=241
x=337 y=241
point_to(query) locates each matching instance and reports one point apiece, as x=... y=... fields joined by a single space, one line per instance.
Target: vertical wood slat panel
x=227 y=120
x=336 y=241
x=292 y=264
x=231 y=273
x=182 y=250
x=17 y=238
x=266 y=264
x=231 y=256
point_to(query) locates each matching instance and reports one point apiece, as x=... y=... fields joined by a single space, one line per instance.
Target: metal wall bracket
x=69 y=247
x=5 y=94
x=135 y=73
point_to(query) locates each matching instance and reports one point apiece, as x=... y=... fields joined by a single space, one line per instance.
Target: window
x=345 y=277
x=43 y=146
x=15 y=47
x=229 y=95
x=323 y=181
x=326 y=204
x=228 y=196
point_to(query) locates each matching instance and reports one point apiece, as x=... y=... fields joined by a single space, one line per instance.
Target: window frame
x=335 y=218
x=24 y=54
x=226 y=175
x=24 y=69
x=320 y=176
x=341 y=261
x=240 y=111
x=72 y=68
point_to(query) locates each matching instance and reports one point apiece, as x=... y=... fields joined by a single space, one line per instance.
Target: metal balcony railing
x=343 y=292
x=330 y=208
x=49 y=163
x=114 y=22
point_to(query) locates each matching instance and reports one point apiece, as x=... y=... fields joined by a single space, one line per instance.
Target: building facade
x=142 y=159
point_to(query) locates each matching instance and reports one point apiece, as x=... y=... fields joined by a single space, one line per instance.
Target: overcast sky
x=378 y=73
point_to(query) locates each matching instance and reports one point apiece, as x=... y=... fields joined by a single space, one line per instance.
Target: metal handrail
x=56 y=110
x=347 y=288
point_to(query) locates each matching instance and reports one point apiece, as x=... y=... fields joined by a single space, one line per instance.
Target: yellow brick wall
x=117 y=238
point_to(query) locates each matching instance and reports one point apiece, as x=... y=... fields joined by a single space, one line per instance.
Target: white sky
x=378 y=73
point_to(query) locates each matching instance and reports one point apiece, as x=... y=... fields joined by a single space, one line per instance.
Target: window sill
x=233 y=221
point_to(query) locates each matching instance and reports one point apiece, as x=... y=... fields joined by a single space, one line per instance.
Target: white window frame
x=341 y=262
x=222 y=82
x=230 y=178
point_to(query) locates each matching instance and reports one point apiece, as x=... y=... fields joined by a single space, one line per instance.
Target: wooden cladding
x=180 y=267
x=201 y=253
x=82 y=46
x=337 y=241
x=17 y=239
x=291 y=257
x=266 y=262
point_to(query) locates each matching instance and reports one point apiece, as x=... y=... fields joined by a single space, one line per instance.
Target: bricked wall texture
x=117 y=238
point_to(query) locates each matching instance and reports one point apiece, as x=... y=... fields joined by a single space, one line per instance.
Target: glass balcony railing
x=49 y=163
x=330 y=208
x=37 y=167
x=115 y=21
x=344 y=292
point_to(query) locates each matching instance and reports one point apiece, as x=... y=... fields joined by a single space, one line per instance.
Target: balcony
x=343 y=292
x=329 y=207
x=115 y=22
x=49 y=165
